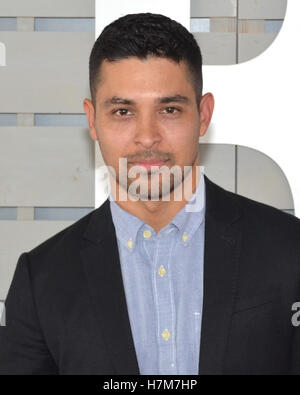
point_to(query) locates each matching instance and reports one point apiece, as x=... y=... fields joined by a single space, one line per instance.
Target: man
x=159 y=285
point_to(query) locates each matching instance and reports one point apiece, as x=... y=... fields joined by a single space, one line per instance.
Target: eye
x=121 y=111
x=172 y=110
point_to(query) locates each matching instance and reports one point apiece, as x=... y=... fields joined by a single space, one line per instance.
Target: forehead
x=143 y=75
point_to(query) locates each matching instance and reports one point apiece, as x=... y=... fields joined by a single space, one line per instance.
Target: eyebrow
x=160 y=100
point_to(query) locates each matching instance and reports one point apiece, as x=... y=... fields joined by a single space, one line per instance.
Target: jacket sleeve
x=22 y=346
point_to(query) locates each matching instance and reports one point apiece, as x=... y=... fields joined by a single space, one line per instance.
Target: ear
x=90 y=113
x=206 y=111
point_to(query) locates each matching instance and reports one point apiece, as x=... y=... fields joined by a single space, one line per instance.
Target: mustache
x=145 y=156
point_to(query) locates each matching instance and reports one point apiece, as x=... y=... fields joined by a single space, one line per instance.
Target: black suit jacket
x=66 y=308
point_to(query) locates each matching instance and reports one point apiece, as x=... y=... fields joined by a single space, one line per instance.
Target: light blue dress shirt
x=163 y=281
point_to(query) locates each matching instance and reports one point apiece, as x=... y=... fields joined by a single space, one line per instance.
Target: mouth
x=149 y=163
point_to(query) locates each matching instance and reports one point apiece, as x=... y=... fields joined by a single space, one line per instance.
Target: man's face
x=146 y=110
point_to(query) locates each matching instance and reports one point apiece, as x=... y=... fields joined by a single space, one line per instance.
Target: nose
x=147 y=131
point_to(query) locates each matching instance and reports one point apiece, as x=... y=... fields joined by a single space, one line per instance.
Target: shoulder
x=259 y=221
x=268 y=229
x=70 y=235
x=266 y=215
x=66 y=244
x=251 y=209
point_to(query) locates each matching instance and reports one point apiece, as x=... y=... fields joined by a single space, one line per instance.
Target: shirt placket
x=159 y=250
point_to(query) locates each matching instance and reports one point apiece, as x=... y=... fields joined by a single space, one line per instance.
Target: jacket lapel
x=221 y=252
x=100 y=257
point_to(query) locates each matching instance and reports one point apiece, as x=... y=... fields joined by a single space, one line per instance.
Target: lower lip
x=148 y=165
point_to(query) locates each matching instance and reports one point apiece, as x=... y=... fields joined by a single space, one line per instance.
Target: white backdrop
x=257 y=102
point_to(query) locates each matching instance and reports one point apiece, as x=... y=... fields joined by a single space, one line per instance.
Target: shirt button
x=184 y=237
x=166 y=334
x=130 y=243
x=161 y=271
x=147 y=234
x=172 y=365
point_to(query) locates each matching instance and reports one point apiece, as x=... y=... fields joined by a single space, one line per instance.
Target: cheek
x=113 y=133
x=183 y=138
x=112 y=145
x=184 y=146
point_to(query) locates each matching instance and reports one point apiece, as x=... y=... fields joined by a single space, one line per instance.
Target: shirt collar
x=190 y=217
x=126 y=224
x=187 y=220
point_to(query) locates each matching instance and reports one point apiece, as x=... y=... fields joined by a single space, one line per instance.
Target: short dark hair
x=141 y=35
